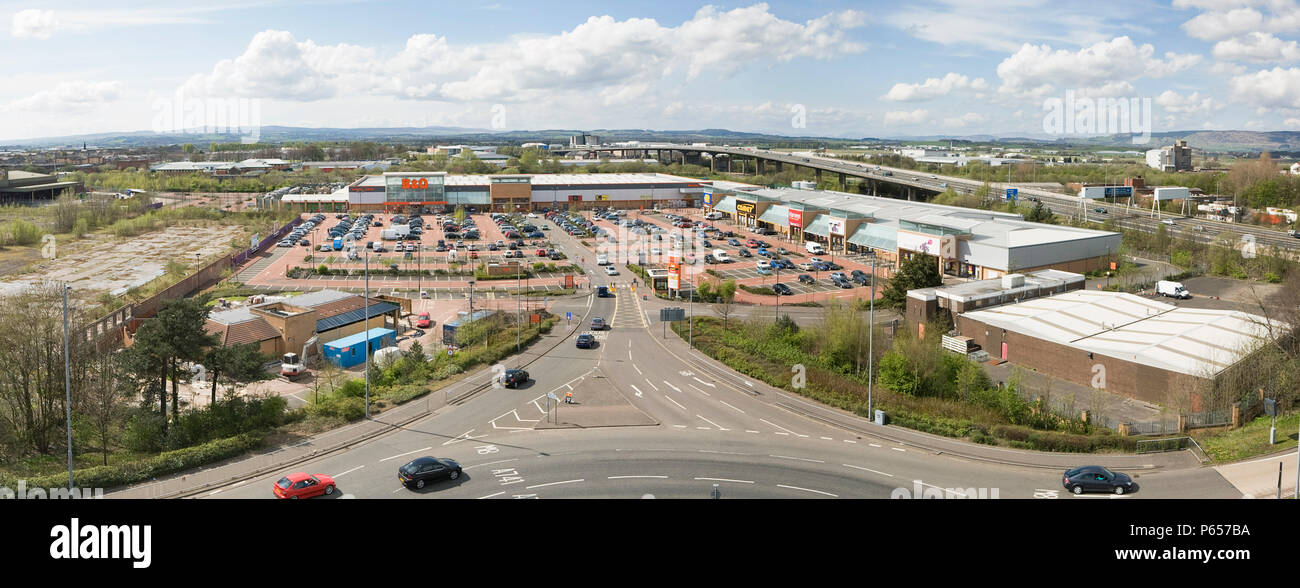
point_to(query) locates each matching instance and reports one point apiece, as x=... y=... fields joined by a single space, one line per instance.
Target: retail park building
x=403 y=191
x=971 y=243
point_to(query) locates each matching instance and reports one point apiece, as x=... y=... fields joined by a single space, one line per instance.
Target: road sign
x=1013 y=193
x=568 y=316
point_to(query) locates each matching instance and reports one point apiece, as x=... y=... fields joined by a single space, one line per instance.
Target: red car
x=302 y=485
x=473 y=255
x=423 y=320
x=541 y=253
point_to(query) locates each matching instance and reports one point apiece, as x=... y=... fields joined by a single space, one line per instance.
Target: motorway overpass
x=915 y=185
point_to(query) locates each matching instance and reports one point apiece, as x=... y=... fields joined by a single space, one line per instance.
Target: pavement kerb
x=347 y=443
x=916 y=439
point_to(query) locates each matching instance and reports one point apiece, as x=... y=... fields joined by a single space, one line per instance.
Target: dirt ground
x=114 y=265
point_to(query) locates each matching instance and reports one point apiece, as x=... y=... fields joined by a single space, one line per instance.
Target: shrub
x=144 y=432
x=160 y=465
x=346 y=408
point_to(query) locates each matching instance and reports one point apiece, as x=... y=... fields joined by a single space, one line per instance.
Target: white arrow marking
x=638 y=390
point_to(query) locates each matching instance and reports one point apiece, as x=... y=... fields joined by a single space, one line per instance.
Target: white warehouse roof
x=1195 y=341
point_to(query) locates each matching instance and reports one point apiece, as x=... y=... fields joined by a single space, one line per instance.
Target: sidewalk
x=1258 y=478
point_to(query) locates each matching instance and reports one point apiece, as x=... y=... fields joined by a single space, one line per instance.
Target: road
x=697 y=424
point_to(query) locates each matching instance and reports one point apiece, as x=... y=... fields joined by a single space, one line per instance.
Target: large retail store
x=434 y=191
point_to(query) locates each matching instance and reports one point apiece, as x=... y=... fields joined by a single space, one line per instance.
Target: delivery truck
x=1172 y=289
x=395 y=232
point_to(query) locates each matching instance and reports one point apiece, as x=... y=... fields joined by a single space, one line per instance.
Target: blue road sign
x=1013 y=193
x=568 y=316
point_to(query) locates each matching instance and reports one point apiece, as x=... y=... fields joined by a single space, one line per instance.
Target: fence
x=274 y=237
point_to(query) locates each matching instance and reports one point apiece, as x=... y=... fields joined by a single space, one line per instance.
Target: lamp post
x=367 y=333
x=67 y=381
x=871 y=330
x=518 y=316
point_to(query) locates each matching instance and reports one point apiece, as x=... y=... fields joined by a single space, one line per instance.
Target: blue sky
x=833 y=68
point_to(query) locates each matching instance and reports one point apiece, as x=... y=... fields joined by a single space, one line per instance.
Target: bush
x=354 y=388
x=144 y=433
x=346 y=408
x=160 y=465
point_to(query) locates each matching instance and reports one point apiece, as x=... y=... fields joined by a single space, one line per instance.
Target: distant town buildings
x=1174 y=158
x=583 y=139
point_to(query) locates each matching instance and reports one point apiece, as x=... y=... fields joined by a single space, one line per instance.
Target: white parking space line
x=632 y=477
x=874 y=444
x=731 y=407
x=750 y=431
x=866 y=469
x=697 y=389
x=898 y=449
x=553 y=484
x=491 y=495
x=788 y=431
x=808 y=490
x=826 y=438
x=798 y=458
x=652 y=384
x=638 y=370
x=849 y=441
x=670 y=399
x=348 y=472
x=407 y=453
x=680 y=426
x=726 y=480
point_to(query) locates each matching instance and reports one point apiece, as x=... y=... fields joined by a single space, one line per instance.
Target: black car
x=861 y=279
x=423 y=470
x=745 y=253
x=1097 y=479
x=513 y=378
x=806 y=279
x=586 y=341
x=782 y=289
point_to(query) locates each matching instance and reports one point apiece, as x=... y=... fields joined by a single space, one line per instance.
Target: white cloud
x=1270 y=88
x=965 y=119
x=33 y=23
x=1210 y=26
x=1224 y=68
x=617 y=59
x=1093 y=66
x=42 y=24
x=69 y=96
x=933 y=88
x=905 y=117
x=1190 y=104
x=1257 y=47
x=960 y=23
x=1292 y=122
x=1224 y=20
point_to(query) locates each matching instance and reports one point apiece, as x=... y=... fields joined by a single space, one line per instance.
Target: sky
x=808 y=68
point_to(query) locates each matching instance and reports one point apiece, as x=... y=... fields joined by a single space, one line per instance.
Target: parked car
x=423 y=320
x=744 y=253
x=423 y=470
x=1096 y=479
x=303 y=485
x=782 y=289
x=806 y=279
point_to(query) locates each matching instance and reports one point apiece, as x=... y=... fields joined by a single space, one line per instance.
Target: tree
x=167 y=341
x=921 y=271
x=1043 y=214
x=240 y=364
x=103 y=402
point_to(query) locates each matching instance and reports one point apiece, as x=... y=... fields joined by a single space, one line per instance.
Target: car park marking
x=554 y=484
x=798 y=458
x=808 y=490
x=407 y=453
x=1049 y=494
x=867 y=470
x=348 y=472
x=670 y=399
x=726 y=480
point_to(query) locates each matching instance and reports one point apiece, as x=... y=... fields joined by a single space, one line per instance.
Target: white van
x=814 y=247
x=602 y=259
x=1172 y=289
x=713 y=216
x=721 y=255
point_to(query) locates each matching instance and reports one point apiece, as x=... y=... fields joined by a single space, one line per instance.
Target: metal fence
x=274 y=237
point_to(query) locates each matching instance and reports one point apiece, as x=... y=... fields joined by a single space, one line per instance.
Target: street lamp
x=67 y=381
x=871 y=329
x=367 y=335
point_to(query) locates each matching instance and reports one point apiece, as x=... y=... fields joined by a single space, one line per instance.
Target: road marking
x=669 y=384
x=1041 y=493
x=704 y=428
x=638 y=390
x=680 y=426
x=638 y=370
x=898 y=449
x=749 y=431
x=866 y=469
x=720 y=427
x=849 y=441
x=808 y=490
x=490 y=463
x=798 y=458
x=721 y=452
x=670 y=399
x=408 y=453
x=827 y=439
x=697 y=389
x=491 y=495
x=782 y=428
x=553 y=483
x=652 y=384
x=945 y=490
x=730 y=406
x=781 y=433
x=348 y=472
x=218 y=490
x=726 y=480
x=463 y=437
x=705 y=383
x=873 y=445
x=629 y=477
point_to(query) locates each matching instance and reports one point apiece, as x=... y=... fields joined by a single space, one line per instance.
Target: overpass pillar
x=818 y=173
x=844 y=181
x=758 y=166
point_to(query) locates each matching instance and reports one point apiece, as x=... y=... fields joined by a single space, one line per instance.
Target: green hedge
x=170 y=462
x=1064 y=442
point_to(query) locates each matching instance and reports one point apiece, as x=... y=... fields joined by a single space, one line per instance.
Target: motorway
x=657 y=419
x=1126 y=217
